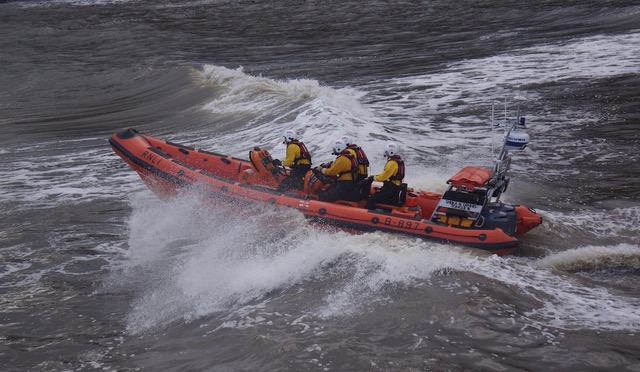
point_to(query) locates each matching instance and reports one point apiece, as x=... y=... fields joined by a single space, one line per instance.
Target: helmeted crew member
x=344 y=170
x=391 y=176
x=363 y=167
x=361 y=157
x=298 y=159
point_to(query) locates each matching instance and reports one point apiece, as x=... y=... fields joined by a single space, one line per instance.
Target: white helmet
x=290 y=135
x=346 y=140
x=339 y=146
x=391 y=149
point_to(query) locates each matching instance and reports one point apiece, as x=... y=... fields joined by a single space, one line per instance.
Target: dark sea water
x=97 y=274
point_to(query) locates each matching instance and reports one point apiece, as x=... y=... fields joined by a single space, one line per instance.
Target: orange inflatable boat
x=466 y=213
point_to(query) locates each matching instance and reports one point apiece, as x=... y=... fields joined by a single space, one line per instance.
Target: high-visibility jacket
x=393 y=171
x=345 y=167
x=297 y=154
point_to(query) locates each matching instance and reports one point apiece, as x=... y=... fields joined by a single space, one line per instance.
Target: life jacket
x=354 y=165
x=360 y=155
x=304 y=153
x=399 y=176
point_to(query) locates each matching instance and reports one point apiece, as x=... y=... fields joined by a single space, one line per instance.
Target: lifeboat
x=465 y=214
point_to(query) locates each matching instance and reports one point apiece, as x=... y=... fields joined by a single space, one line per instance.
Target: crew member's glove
x=369 y=179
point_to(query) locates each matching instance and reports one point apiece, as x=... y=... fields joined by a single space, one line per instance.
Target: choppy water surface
x=96 y=273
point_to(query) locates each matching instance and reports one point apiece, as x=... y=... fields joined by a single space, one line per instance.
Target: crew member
x=364 y=185
x=361 y=157
x=391 y=176
x=298 y=159
x=343 y=170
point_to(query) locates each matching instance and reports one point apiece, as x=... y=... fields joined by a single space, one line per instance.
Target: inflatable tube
x=168 y=168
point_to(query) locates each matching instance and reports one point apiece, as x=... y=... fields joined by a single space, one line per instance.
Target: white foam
x=76 y=176
x=477 y=84
x=204 y=259
x=11 y=268
x=472 y=81
x=618 y=223
x=319 y=114
x=381 y=260
x=623 y=256
x=567 y=302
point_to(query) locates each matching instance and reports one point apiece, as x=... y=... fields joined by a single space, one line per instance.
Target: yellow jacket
x=390 y=170
x=342 y=164
x=293 y=153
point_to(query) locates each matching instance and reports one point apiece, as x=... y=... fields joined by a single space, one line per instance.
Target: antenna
x=493 y=125
x=513 y=140
x=506 y=117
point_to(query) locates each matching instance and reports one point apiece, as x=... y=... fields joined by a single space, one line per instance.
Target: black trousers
x=341 y=190
x=364 y=187
x=388 y=194
x=295 y=178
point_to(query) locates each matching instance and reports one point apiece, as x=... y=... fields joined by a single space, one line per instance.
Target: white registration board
x=469 y=207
